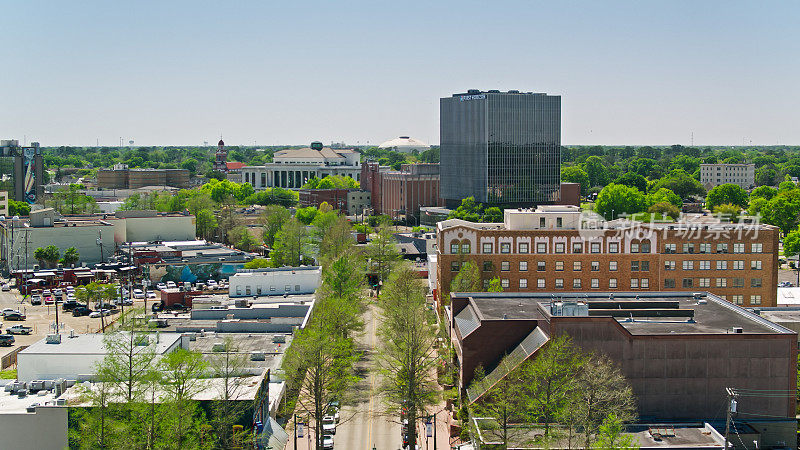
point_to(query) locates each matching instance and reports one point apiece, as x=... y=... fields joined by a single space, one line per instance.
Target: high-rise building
x=501 y=148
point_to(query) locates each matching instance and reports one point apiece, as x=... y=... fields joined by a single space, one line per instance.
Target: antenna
x=692 y=139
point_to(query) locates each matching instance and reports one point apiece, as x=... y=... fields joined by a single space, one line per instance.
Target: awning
x=35 y=280
x=84 y=275
x=44 y=274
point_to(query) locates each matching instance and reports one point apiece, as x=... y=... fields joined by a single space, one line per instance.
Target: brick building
x=401 y=193
x=557 y=248
x=679 y=351
x=348 y=201
x=121 y=177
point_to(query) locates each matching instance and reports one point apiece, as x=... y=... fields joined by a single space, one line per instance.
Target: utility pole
x=730 y=410
x=295 y=432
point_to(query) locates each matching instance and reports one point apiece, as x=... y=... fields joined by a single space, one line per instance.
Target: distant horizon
x=347 y=145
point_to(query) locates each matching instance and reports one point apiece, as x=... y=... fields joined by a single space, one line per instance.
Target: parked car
x=8 y=310
x=212 y=284
x=81 y=311
x=7 y=340
x=69 y=305
x=19 y=329
x=177 y=307
x=126 y=302
x=46 y=292
x=36 y=300
x=6 y=287
x=137 y=293
x=161 y=286
x=58 y=292
x=171 y=285
x=328 y=425
x=151 y=294
x=96 y=314
x=17 y=316
x=327 y=442
x=157 y=307
x=48 y=300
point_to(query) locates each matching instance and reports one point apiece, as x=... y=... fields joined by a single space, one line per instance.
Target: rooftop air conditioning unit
x=257 y=356
x=53 y=339
x=738 y=330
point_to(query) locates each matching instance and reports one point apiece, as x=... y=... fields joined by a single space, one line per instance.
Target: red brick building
x=347 y=201
x=401 y=193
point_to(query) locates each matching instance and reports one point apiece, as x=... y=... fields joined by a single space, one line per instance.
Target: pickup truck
x=19 y=329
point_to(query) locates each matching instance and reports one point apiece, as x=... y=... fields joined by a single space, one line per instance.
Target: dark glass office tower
x=503 y=148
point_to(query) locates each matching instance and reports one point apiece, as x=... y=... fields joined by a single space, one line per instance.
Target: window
x=612 y=266
x=272 y=288
x=612 y=283
x=722 y=265
x=487 y=247
x=454 y=266
x=238 y=290
x=540 y=283
x=670 y=248
x=595 y=248
x=541 y=247
x=296 y=287
x=705 y=248
x=688 y=265
x=613 y=247
x=559 y=266
x=755 y=282
x=645 y=247
x=504 y=282
x=634 y=266
x=595 y=283
x=669 y=265
x=688 y=248
x=560 y=247
x=755 y=299
x=576 y=266
x=287 y=288
x=540 y=266
x=559 y=283
x=595 y=266
x=705 y=265
x=755 y=265
x=559 y=222
x=669 y=283
x=505 y=247
x=722 y=248
x=576 y=283
x=524 y=247
x=722 y=282
x=645 y=283
x=688 y=282
x=454 y=247
x=523 y=283
x=704 y=282
x=541 y=222
x=634 y=283
x=466 y=248
x=487 y=266
x=523 y=266
x=738 y=299
x=738 y=282
x=757 y=248
x=738 y=248
x=635 y=248
x=577 y=247
x=505 y=266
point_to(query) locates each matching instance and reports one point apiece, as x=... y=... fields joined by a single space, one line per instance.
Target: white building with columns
x=292 y=168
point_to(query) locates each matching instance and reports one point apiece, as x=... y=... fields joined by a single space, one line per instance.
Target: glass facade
x=501 y=148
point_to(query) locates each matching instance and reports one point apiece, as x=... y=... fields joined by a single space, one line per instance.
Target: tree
x=728 y=212
x=334 y=235
x=663 y=195
x=726 y=194
x=492 y=214
x=596 y=171
x=205 y=223
x=229 y=366
x=783 y=211
x=180 y=371
x=765 y=176
x=610 y=436
x=681 y=183
x=291 y=245
x=495 y=285
x=241 y=239
x=257 y=263
x=468 y=279
x=633 y=179
x=765 y=192
x=665 y=209
x=306 y=215
x=16 y=208
x=407 y=358
x=504 y=402
x=273 y=218
x=615 y=200
x=47 y=256
x=382 y=253
x=469 y=210
x=791 y=244
x=71 y=256
x=574 y=174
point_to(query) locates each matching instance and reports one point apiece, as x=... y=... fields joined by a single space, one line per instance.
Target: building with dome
x=292 y=168
x=405 y=144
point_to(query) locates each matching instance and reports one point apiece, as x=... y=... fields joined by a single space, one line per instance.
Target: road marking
x=372 y=383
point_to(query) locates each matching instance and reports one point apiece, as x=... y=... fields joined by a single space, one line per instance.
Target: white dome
x=405 y=144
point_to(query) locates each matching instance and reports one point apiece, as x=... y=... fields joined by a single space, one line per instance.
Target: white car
x=151 y=294
x=161 y=286
x=328 y=425
x=96 y=314
x=137 y=293
x=327 y=442
x=58 y=292
x=212 y=284
x=70 y=296
x=6 y=287
x=171 y=285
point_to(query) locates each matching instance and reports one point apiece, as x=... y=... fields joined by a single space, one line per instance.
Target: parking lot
x=42 y=318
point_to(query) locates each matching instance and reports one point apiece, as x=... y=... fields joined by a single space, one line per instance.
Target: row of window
x=720 y=265
x=487 y=248
x=736 y=282
x=261 y=290
x=707 y=248
x=636 y=266
x=635 y=283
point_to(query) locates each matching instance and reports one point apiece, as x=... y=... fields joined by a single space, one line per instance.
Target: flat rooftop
x=652 y=313
x=94 y=344
x=12 y=404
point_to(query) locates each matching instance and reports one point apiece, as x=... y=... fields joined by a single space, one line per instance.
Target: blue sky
x=179 y=72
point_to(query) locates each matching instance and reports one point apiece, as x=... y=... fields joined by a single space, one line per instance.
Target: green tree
x=71 y=256
x=611 y=436
x=468 y=279
x=783 y=211
x=492 y=214
x=16 y=208
x=727 y=194
x=495 y=285
x=633 y=179
x=469 y=210
x=180 y=371
x=47 y=256
x=791 y=244
x=765 y=192
x=291 y=245
x=257 y=263
x=205 y=223
x=229 y=366
x=382 y=253
x=665 y=209
x=574 y=174
x=242 y=239
x=273 y=218
x=728 y=212
x=306 y=215
x=505 y=402
x=663 y=195
x=681 y=183
x=615 y=200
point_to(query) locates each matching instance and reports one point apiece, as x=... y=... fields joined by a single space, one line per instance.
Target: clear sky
x=289 y=72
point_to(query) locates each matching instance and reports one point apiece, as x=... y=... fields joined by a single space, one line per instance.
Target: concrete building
x=19 y=238
x=501 y=148
x=405 y=144
x=679 y=350
x=74 y=357
x=148 y=226
x=292 y=168
x=401 y=193
x=32 y=421
x=712 y=175
x=280 y=281
x=349 y=202
x=559 y=249
x=121 y=177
